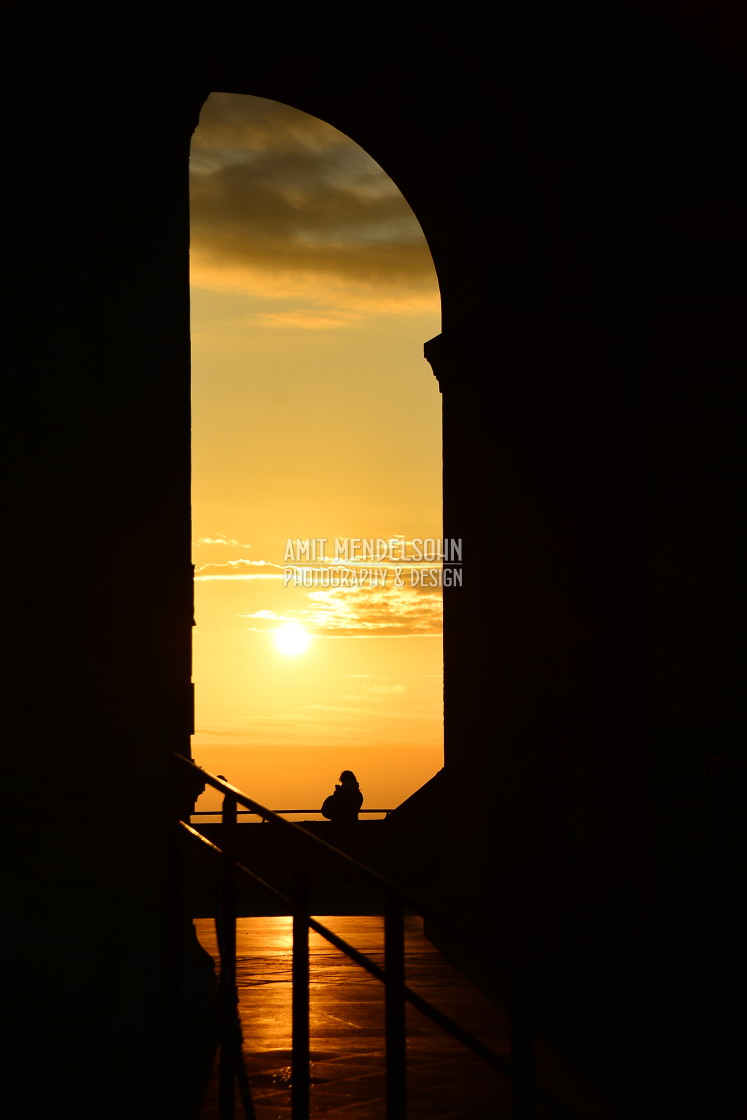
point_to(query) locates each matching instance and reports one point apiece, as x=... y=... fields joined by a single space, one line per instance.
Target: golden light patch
x=292 y=639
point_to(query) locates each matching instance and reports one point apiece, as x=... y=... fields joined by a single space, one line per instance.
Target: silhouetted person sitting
x=341 y=807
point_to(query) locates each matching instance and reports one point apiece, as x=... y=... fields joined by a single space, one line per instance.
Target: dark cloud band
x=274 y=189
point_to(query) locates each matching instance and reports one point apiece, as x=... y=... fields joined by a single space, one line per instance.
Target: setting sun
x=292 y=639
x=313 y=292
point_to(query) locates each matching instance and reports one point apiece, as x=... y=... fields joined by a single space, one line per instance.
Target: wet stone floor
x=445 y=1080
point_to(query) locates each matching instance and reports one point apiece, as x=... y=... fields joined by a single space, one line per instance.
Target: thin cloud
x=396 y=604
x=361 y=613
x=307 y=319
x=387 y=612
x=265 y=616
x=375 y=713
x=220 y=539
x=240 y=569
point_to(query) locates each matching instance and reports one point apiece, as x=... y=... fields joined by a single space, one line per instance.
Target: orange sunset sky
x=315 y=415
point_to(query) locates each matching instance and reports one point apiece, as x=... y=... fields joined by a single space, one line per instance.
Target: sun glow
x=292 y=639
x=287 y=298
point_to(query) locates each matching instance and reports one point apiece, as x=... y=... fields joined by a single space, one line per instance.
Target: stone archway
x=341 y=427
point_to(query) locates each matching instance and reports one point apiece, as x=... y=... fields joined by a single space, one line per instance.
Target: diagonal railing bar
x=295 y=812
x=438 y=1017
x=360 y=870
x=503 y=1065
x=519 y=1069
x=284 y=898
x=728 y=762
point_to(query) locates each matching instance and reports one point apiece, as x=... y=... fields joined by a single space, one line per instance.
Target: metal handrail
x=728 y=762
x=294 y=812
x=520 y=1068
x=367 y=874
x=365 y=962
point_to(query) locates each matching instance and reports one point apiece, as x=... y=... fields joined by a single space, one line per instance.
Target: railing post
x=301 y=1056
x=228 y=991
x=172 y=962
x=396 y=1034
x=172 y=947
x=521 y=1007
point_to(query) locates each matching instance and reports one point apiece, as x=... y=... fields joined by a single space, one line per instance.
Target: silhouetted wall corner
x=415 y=835
x=188 y=787
x=432 y=351
x=455 y=356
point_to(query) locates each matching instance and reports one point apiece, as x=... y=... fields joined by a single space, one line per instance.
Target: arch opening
x=316 y=494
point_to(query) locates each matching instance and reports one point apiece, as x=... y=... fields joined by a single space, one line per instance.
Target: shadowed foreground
x=445 y=1081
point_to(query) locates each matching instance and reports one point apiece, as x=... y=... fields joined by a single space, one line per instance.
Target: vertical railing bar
x=301 y=1054
x=172 y=960
x=521 y=1011
x=172 y=947
x=242 y=1078
x=395 y=1021
x=228 y=991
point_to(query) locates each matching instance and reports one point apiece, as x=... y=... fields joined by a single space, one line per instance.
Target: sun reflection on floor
x=347 y=1024
x=445 y=1080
